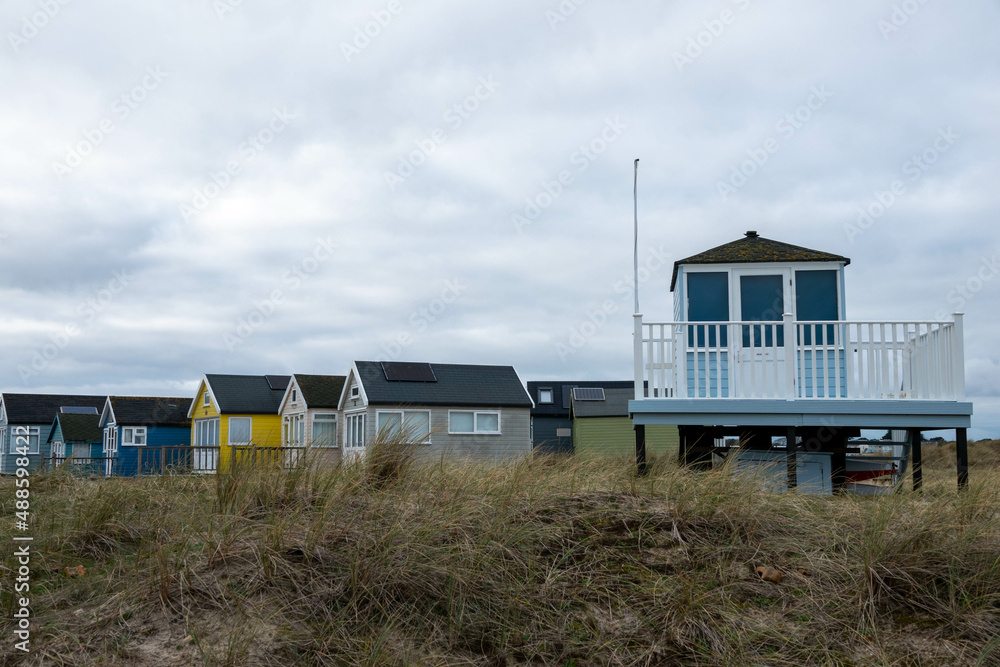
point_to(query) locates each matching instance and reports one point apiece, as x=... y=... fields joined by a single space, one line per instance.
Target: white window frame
x=206 y=399
x=542 y=401
x=326 y=419
x=229 y=433
x=204 y=427
x=130 y=433
x=289 y=424
x=294 y=395
x=404 y=415
x=355 y=391
x=475 y=422
x=352 y=422
x=31 y=432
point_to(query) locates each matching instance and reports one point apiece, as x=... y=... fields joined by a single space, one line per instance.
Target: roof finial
x=751 y=234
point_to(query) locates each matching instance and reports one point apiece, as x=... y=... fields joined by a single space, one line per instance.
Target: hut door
x=110 y=449
x=761 y=295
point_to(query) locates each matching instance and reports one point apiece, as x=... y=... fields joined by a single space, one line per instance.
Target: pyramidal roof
x=755 y=248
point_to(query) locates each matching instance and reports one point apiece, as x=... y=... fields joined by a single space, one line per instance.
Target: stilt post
x=918 y=467
x=791 y=447
x=640 y=448
x=962 y=455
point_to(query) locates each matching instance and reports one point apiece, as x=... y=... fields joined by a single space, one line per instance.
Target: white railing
x=800 y=360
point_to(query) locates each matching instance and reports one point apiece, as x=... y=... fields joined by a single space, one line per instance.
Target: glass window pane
x=356 y=428
x=127 y=436
x=816 y=299
x=388 y=423
x=239 y=430
x=487 y=422
x=299 y=430
x=762 y=299
x=33 y=433
x=419 y=424
x=708 y=301
x=324 y=430
x=460 y=422
x=140 y=436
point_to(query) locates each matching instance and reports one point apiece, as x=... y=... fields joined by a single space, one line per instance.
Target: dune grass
x=398 y=561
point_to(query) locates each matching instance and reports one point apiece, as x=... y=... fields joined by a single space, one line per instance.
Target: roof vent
x=751 y=234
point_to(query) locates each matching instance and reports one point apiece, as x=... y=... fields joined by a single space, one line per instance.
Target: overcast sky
x=253 y=186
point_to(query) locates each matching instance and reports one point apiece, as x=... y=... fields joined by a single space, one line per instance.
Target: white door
x=354 y=436
x=761 y=295
x=110 y=449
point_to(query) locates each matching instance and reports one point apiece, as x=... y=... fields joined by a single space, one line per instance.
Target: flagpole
x=635 y=249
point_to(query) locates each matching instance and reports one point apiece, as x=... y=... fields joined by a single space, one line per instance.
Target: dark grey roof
x=321 y=391
x=78 y=428
x=247 y=394
x=615 y=404
x=754 y=248
x=561 y=393
x=457 y=384
x=42 y=408
x=150 y=410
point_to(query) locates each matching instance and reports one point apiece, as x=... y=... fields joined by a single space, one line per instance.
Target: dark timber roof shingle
x=457 y=384
x=321 y=391
x=42 y=408
x=247 y=394
x=79 y=428
x=150 y=410
x=754 y=248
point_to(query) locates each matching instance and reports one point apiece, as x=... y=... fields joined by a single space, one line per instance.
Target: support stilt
x=962 y=454
x=791 y=461
x=640 y=448
x=917 y=459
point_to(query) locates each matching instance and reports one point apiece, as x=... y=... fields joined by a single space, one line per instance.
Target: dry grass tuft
x=394 y=561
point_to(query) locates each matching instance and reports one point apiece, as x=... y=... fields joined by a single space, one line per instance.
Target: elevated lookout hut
x=760 y=348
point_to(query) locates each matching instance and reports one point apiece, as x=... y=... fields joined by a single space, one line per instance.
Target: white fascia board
x=346 y=391
x=211 y=396
x=108 y=410
x=293 y=383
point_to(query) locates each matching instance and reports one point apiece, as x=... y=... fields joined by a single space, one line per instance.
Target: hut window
x=324 y=429
x=816 y=301
x=134 y=435
x=708 y=301
x=239 y=431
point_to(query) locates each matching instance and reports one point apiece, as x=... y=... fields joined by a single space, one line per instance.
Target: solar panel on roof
x=405 y=371
x=77 y=410
x=588 y=393
x=278 y=381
